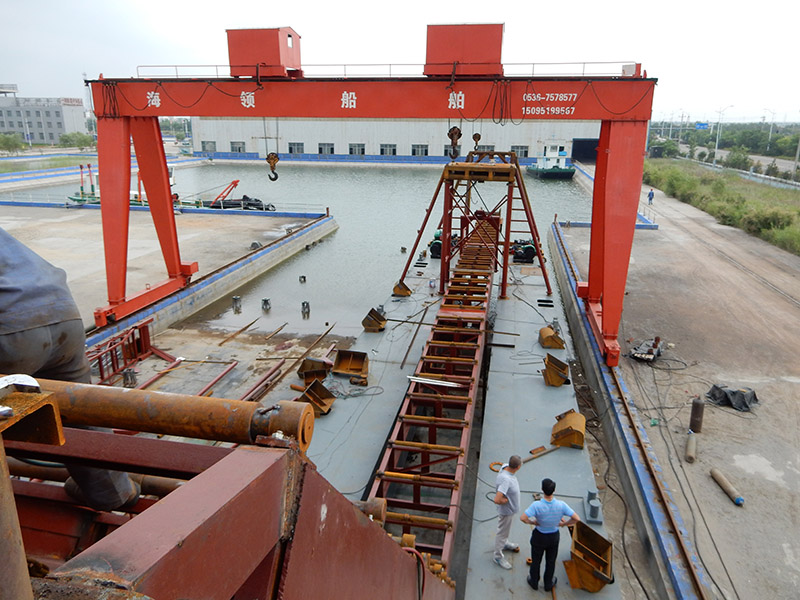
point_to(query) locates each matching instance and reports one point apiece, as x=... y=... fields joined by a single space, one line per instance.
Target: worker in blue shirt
x=650 y=195
x=546 y=515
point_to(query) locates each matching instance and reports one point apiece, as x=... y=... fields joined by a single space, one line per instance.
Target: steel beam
x=82 y=404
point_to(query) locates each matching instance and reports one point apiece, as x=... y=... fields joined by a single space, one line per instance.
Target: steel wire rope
x=671 y=448
x=627 y=110
x=492 y=90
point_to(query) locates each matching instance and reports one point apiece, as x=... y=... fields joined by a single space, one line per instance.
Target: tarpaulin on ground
x=740 y=399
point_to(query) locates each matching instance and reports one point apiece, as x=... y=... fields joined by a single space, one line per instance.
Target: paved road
x=729 y=306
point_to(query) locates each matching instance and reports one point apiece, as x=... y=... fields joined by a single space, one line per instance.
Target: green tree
x=772 y=169
x=10 y=143
x=738 y=158
x=180 y=136
x=76 y=139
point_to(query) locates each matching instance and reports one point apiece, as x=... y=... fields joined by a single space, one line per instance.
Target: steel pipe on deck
x=183 y=415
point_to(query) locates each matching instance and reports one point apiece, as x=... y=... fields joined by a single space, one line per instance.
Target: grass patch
x=17 y=166
x=772 y=214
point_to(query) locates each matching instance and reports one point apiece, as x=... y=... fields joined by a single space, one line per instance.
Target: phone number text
x=548 y=110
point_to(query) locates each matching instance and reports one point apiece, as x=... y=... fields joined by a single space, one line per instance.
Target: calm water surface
x=378 y=209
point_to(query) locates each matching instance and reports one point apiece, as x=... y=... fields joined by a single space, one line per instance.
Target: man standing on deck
x=507 y=500
x=650 y=196
x=41 y=334
x=547 y=515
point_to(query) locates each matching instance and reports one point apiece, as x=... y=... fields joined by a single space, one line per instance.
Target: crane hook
x=476 y=137
x=272 y=160
x=454 y=134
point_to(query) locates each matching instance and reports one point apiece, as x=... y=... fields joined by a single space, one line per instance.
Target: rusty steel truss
x=422 y=470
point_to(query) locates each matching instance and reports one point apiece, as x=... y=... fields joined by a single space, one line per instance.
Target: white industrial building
x=382 y=137
x=40 y=120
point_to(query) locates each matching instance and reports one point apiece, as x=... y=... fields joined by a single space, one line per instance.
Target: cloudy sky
x=705 y=55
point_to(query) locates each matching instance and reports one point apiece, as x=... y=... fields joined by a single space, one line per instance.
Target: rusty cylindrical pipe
x=183 y=415
x=152 y=485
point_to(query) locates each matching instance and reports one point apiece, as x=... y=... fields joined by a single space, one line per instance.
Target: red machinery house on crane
x=463 y=78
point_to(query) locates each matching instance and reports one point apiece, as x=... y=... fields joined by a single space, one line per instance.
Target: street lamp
x=771 y=123
x=719 y=128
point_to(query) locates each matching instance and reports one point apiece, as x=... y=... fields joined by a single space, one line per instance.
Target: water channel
x=379 y=210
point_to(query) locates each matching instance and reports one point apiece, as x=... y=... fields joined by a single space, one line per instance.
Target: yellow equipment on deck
x=590 y=565
x=374 y=322
x=549 y=338
x=556 y=372
x=569 y=430
x=351 y=363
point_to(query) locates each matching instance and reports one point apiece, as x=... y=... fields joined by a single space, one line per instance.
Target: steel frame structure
x=423 y=496
x=129 y=109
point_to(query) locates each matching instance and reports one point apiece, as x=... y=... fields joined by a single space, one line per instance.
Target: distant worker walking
x=507 y=500
x=650 y=196
x=547 y=515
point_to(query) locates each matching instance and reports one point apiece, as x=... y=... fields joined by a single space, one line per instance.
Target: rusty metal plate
x=35 y=419
x=338 y=552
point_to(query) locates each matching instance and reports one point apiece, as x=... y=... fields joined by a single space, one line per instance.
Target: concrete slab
x=519 y=415
x=727 y=305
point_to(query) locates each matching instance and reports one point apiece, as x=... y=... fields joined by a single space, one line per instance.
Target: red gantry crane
x=463 y=79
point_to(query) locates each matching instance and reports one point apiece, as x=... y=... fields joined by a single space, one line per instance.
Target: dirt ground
x=727 y=306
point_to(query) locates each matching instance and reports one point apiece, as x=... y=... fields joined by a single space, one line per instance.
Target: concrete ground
x=72 y=239
x=728 y=305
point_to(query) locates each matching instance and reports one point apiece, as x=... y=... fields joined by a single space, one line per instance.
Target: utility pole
x=719 y=129
x=771 y=123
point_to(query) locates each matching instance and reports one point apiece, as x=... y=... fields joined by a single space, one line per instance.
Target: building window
x=325 y=148
x=38 y=113
x=208 y=146
x=27 y=113
x=448 y=147
x=49 y=124
x=59 y=126
x=419 y=149
x=41 y=135
x=19 y=114
x=2 y=124
x=39 y=124
x=388 y=149
x=485 y=148
x=296 y=148
x=359 y=149
x=237 y=147
x=8 y=113
x=520 y=151
x=58 y=113
x=47 y=113
x=50 y=136
x=19 y=124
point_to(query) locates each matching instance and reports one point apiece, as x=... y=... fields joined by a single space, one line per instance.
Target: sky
x=713 y=60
